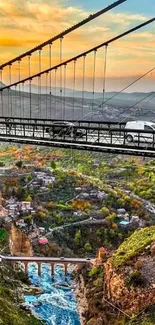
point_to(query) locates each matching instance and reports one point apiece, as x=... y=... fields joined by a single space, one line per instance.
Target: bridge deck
x=103 y=137
x=45 y=259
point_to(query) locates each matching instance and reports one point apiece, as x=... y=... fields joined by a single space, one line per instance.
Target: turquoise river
x=57 y=304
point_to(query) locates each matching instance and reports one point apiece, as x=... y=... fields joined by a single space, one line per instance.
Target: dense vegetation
x=128 y=183
x=133 y=245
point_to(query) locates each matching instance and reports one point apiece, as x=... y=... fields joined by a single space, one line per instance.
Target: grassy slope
x=10 y=314
x=133 y=245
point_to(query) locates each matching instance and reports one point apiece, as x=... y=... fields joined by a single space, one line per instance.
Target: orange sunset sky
x=26 y=23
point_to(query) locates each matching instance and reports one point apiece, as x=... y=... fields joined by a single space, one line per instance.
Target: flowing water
x=57 y=305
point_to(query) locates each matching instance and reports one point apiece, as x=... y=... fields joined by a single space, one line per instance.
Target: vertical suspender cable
x=8 y=101
x=104 y=75
x=1 y=80
x=61 y=39
x=16 y=100
x=10 y=91
x=74 y=78
x=30 y=99
x=94 y=74
x=2 y=102
x=55 y=92
x=50 y=78
x=29 y=65
x=19 y=88
x=29 y=69
x=1 y=76
x=38 y=96
x=40 y=115
x=23 y=97
x=64 y=106
x=46 y=93
x=83 y=83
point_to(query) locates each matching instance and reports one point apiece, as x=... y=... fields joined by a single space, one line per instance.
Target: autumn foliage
x=81 y=204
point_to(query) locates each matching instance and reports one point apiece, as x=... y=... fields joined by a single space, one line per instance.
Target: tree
x=20 y=193
x=77 y=237
x=88 y=247
x=19 y=164
x=41 y=216
x=29 y=178
x=81 y=204
x=28 y=219
x=53 y=164
x=28 y=198
x=50 y=205
x=104 y=211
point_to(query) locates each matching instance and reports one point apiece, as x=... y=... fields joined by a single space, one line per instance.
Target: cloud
x=10 y=42
x=25 y=23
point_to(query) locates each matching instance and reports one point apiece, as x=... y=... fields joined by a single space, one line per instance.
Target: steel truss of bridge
x=106 y=137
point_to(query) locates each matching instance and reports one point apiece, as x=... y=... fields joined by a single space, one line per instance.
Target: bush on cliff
x=133 y=245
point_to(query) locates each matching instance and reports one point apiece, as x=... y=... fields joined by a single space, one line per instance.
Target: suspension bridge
x=52 y=107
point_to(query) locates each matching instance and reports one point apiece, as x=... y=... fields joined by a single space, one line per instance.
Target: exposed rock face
x=20 y=244
x=134 y=299
x=98 y=294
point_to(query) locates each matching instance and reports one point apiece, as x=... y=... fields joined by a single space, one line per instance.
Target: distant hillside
x=87 y=94
x=1 y=84
x=117 y=107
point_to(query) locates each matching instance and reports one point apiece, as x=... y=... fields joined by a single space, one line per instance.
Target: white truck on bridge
x=132 y=136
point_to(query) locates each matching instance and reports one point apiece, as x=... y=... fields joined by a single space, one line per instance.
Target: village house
x=3 y=212
x=4 y=217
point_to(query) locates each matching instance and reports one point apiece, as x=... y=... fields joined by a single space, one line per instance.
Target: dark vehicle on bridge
x=65 y=129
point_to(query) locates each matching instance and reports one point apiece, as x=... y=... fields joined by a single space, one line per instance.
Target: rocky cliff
x=20 y=244
x=122 y=287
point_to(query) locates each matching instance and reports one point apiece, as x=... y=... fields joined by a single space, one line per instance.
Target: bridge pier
x=66 y=268
x=39 y=268
x=26 y=264
x=52 y=270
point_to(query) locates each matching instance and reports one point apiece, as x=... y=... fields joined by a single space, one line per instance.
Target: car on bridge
x=64 y=128
x=140 y=131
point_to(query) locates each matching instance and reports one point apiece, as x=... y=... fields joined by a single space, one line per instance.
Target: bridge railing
x=84 y=122
x=99 y=133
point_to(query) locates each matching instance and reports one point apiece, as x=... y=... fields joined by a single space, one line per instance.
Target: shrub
x=104 y=211
x=136 y=279
x=98 y=282
x=19 y=164
x=88 y=247
x=133 y=245
x=94 y=271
